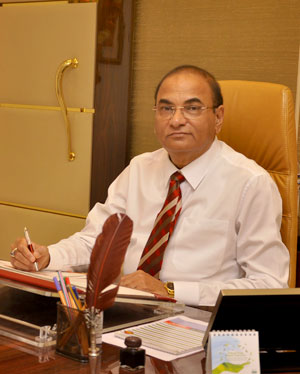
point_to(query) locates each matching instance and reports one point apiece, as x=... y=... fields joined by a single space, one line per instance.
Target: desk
x=15 y=359
x=20 y=358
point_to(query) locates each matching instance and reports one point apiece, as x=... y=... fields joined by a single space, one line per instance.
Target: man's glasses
x=188 y=111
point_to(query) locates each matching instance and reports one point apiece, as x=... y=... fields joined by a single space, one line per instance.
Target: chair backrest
x=260 y=123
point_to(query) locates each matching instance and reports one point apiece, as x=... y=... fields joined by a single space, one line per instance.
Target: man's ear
x=219 y=113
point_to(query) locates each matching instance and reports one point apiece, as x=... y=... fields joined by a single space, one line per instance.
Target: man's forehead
x=184 y=84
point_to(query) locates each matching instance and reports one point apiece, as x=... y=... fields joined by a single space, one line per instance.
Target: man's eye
x=166 y=108
x=192 y=108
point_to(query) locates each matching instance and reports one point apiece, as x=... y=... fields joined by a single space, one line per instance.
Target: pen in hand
x=30 y=246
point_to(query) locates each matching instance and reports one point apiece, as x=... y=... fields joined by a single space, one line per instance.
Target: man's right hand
x=22 y=259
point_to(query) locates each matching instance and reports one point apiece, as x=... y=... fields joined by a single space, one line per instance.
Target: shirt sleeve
x=76 y=250
x=260 y=252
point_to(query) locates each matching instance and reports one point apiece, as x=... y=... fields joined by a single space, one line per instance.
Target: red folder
x=32 y=279
x=28 y=279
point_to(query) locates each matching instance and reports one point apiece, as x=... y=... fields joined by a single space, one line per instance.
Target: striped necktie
x=152 y=257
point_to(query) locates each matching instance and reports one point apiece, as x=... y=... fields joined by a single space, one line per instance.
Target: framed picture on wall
x=111 y=33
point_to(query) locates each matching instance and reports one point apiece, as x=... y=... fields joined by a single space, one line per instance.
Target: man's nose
x=178 y=118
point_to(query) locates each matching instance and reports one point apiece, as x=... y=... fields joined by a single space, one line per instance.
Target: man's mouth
x=177 y=133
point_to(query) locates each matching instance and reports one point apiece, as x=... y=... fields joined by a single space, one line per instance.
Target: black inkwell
x=132 y=358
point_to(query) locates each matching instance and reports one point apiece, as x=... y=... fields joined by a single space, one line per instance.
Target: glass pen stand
x=73 y=339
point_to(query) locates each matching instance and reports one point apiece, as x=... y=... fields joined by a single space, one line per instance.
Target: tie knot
x=177 y=177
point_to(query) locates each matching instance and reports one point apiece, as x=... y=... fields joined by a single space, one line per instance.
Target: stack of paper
x=44 y=279
x=174 y=337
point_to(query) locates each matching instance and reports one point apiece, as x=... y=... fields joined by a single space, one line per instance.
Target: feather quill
x=106 y=261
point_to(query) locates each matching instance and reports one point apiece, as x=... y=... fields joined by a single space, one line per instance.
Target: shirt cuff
x=55 y=262
x=187 y=292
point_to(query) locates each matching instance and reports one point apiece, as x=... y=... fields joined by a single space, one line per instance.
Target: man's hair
x=211 y=80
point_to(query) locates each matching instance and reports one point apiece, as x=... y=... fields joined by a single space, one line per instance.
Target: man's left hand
x=144 y=282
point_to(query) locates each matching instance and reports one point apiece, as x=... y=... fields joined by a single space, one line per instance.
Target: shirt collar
x=168 y=168
x=195 y=171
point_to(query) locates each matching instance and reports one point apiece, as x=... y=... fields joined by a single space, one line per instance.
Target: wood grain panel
x=112 y=109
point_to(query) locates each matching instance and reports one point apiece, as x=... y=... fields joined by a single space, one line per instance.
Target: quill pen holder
x=78 y=333
x=94 y=322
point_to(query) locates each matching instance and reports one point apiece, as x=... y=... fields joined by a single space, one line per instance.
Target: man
x=227 y=209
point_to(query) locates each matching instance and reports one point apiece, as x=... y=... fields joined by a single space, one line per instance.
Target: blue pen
x=77 y=296
x=59 y=291
x=75 y=291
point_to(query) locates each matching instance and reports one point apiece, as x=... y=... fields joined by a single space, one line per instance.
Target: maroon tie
x=152 y=257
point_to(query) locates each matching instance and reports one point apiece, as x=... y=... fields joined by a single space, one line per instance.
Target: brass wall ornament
x=59 y=94
x=43 y=210
x=46 y=107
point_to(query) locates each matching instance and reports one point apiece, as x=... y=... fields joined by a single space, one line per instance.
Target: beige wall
x=40 y=188
x=233 y=39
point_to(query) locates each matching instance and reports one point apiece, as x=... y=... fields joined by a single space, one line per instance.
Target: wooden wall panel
x=111 y=99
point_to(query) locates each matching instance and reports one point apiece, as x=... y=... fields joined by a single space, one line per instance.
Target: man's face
x=184 y=138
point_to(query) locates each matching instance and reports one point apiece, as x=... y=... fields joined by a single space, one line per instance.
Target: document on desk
x=44 y=279
x=167 y=339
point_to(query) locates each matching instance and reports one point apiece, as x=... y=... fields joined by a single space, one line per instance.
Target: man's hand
x=22 y=259
x=144 y=282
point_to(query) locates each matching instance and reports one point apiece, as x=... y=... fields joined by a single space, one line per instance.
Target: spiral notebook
x=233 y=351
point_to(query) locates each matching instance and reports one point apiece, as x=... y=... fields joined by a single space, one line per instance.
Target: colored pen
x=64 y=288
x=82 y=307
x=73 y=304
x=75 y=291
x=68 y=285
x=30 y=246
x=59 y=291
x=76 y=301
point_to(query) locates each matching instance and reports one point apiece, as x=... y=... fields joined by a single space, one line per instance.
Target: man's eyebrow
x=193 y=100
x=165 y=101
x=189 y=101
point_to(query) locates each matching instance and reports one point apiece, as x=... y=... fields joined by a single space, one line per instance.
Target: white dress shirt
x=227 y=234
